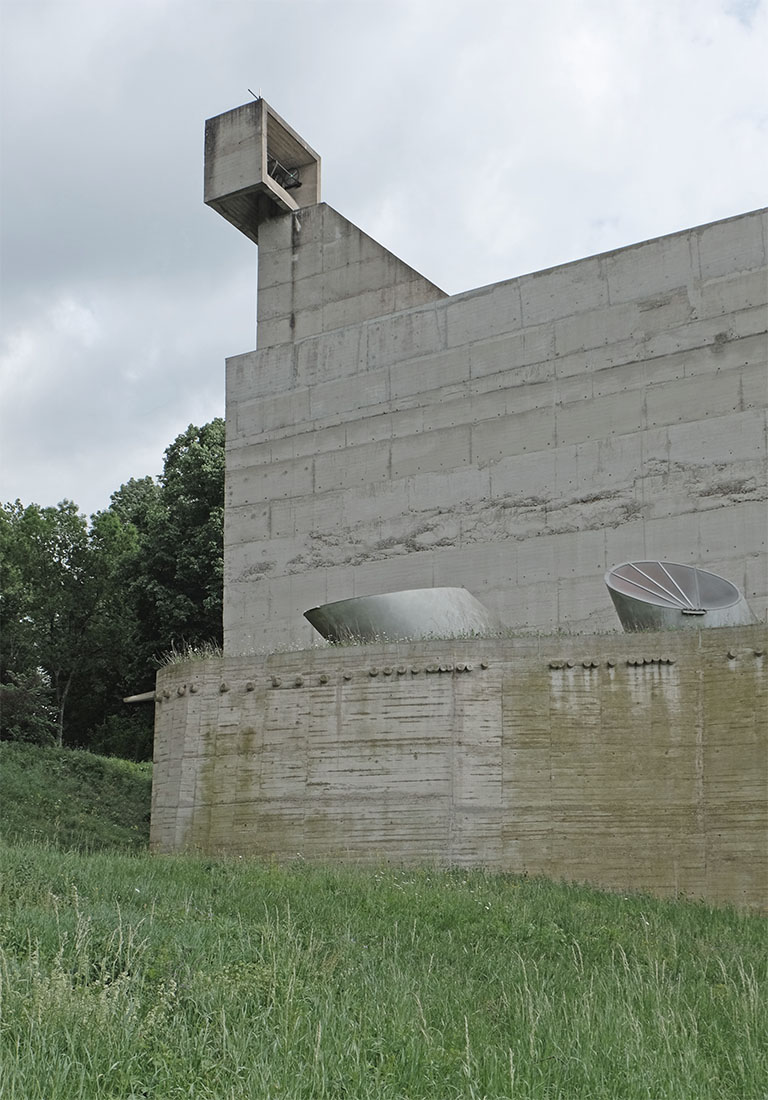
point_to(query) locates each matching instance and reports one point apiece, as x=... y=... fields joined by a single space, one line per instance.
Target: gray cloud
x=477 y=141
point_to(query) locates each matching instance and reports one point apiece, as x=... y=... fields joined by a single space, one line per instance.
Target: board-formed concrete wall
x=633 y=762
x=517 y=440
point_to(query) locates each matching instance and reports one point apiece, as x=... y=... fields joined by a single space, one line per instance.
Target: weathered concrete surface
x=517 y=440
x=633 y=762
x=319 y=273
x=250 y=153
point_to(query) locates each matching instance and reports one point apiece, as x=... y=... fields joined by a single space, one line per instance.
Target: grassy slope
x=124 y=975
x=73 y=799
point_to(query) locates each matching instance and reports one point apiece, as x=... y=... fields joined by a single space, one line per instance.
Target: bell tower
x=257 y=167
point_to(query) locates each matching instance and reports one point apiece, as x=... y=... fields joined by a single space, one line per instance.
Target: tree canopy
x=87 y=609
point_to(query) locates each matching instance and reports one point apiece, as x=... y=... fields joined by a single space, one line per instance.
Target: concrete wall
x=634 y=762
x=517 y=440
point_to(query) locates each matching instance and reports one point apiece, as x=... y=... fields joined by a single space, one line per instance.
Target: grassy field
x=73 y=799
x=125 y=976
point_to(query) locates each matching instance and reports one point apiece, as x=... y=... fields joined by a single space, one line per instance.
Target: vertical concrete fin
x=318 y=272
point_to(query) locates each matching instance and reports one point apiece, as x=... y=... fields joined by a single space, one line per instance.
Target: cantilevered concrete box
x=256 y=166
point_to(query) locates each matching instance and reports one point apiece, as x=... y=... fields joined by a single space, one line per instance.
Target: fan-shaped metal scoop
x=399 y=616
x=663 y=595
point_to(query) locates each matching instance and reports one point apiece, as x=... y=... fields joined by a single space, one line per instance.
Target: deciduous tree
x=88 y=609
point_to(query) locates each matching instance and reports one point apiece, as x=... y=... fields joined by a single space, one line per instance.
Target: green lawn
x=124 y=975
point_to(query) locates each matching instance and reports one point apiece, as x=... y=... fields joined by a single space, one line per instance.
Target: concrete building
x=516 y=440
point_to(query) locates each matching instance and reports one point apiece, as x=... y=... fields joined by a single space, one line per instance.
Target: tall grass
x=126 y=976
x=72 y=798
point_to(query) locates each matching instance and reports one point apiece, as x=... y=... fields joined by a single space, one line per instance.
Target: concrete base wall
x=517 y=440
x=633 y=762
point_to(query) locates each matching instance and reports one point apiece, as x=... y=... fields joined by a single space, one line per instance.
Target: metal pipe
x=145 y=697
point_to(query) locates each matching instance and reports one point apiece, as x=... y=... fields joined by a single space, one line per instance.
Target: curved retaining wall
x=633 y=762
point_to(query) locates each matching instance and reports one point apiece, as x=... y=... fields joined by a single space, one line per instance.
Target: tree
x=26 y=711
x=56 y=578
x=172 y=587
x=87 y=610
x=17 y=648
x=191 y=539
x=177 y=577
x=104 y=674
x=136 y=501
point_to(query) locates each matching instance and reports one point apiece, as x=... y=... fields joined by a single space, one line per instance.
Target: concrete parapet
x=636 y=763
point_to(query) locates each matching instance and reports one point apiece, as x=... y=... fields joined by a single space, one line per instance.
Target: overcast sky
x=476 y=139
